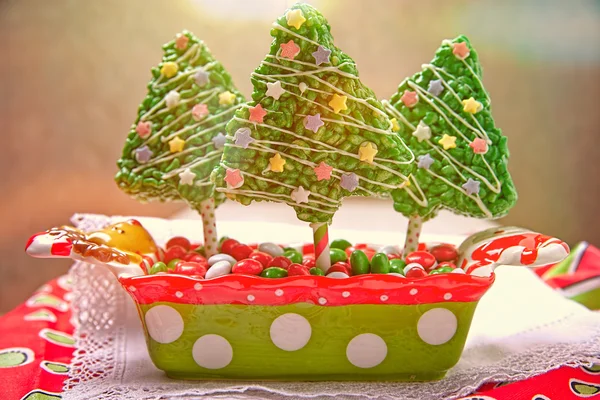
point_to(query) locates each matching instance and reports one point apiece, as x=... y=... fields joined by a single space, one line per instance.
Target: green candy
x=337 y=255
x=341 y=244
x=274 y=272
x=316 y=271
x=158 y=267
x=359 y=262
x=294 y=256
x=380 y=264
x=442 y=270
x=171 y=265
x=397 y=266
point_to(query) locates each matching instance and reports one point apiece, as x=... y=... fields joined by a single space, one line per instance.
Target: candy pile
x=270 y=260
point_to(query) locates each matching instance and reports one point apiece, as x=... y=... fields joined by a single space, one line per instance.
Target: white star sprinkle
x=300 y=195
x=275 y=90
x=423 y=132
x=172 y=99
x=187 y=177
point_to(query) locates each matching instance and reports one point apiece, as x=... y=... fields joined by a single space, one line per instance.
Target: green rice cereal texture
x=179 y=133
x=444 y=114
x=313 y=132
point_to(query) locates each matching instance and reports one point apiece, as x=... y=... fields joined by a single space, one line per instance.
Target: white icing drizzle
x=175 y=78
x=449 y=42
x=166 y=156
x=286 y=30
x=207 y=157
x=272 y=197
x=317 y=69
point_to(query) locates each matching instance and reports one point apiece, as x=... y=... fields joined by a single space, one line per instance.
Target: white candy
x=221 y=257
x=396 y=274
x=457 y=271
x=389 y=249
x=271 y=249
x=337 y=275
x=220 y=268
x=411 y=266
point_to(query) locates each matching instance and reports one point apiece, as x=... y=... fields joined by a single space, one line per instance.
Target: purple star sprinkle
x=321 y=55
x=472 y=186
x=143 y=154
x=435 y=87
x=425 y=161
x=313 y=122
x=242 y=137
x=349 y=181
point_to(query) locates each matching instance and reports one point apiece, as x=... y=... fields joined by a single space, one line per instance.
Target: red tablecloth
x=36 y=342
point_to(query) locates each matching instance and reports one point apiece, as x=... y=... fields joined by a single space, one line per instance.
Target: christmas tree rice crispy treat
x=444 y=114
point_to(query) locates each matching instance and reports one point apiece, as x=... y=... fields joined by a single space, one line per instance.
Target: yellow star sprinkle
x=276 y=163
x=226 y=98
x=176 y=145
x=395 y=126
x=471 y=106
x=338 y=103
x=367 y=152
x=295 y=18
x=169 y=69
x=449 y=142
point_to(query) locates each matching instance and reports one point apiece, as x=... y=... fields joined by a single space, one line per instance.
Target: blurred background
x=73 y=73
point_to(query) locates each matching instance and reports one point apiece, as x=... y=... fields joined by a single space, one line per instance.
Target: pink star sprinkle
x=257 y=114
x=323 y=171
x=181 y=41
x=289 y=50
x=143 y=129
x=409 y=98
x=199 y=111
x=479 y=146
x=234 y=178
x=460 y=50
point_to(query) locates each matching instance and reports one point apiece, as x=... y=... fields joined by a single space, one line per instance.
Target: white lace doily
x=521 y=328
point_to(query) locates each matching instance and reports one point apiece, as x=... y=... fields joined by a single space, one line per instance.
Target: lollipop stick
x=210 y=227
x=321 y=241
x=415 y=223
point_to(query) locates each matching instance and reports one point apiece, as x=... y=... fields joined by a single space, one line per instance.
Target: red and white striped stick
x=321 y=241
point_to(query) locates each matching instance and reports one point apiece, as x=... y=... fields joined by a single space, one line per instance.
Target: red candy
x=444 y=252
x=281 y=262
x=264 y=258
x=228 y=245
x=174 y=252
x=308 y=249
x=195 y=257
x=241 y=251
x=393 y=256
x=446 y=264
x=416 y=273
x=190 y=268
x=178 y=241
x=298 y=270
x=423 y=258
x=340 y=267
x=147 y=263
x=308 y=262
x=247 y=267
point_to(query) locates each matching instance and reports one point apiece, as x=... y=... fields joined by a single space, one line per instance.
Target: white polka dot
x=447 y=296
x=251 y=298
x=345 y=294
x=384 y=297
x=413 y=291
x=179 y=294
x=290 y=332
x=212 y=352
x=366 y=350
x=198 y=286
x=279 y=292
x=164 y=324
x=322 y=300
x=437 y=326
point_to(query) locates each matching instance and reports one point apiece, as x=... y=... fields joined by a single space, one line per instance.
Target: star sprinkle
x=143 y=154
x=302 y=86
x=395 y=126
x=449 y=142
x=471 y=106
x=226 y=98
x=338 y=103
x=321 y=55
x=423 y=132
x=435 y=87
x=169 y=69
x=242 y=137
x=172 y=99
x=313 y=122
x=276 y=163
x=143 y=129
x=257 y=114
x=176 y=145
x=479 y=146
x=323 y=171
x=187 y=177
x=181 y=41
x=199 y=111
x=219 y=140
x=409 y=98
x=201 y=77
x=275 y=90
x=425 y=161
x=234 y=178
x=472 y=186
x=367 y=152
x=289 y=50
x=460 y=50
x=295 y=18
x=349 y=181
x=300 y=195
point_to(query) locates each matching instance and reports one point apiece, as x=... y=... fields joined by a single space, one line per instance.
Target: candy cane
x=321 y=241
